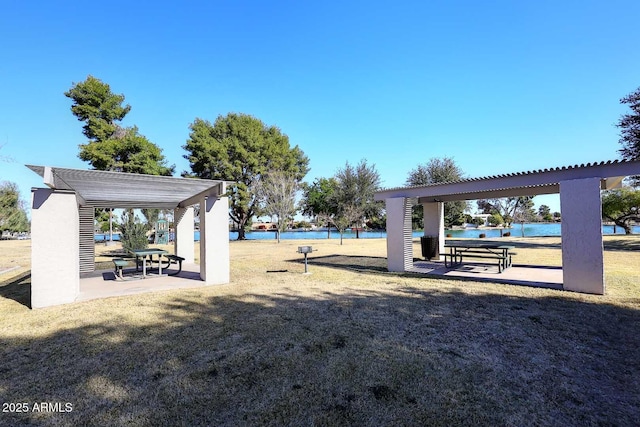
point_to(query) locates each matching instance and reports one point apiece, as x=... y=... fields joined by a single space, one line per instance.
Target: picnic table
x=148 y=253
x=493 y=251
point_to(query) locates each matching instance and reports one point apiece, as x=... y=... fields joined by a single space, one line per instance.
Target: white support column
x=582 y=248
x=55 y=247
x=184 y=245
x=214 y=240
x=399 y=235
x=434 y=224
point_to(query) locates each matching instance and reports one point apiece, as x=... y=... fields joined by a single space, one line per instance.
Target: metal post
x=305 y=251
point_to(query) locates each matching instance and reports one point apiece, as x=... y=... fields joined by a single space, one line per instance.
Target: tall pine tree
x=110 y=146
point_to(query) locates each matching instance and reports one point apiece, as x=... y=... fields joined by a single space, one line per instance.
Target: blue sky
x=499 y=86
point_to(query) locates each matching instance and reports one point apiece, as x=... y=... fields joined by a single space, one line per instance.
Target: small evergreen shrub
x=133 y=233
x=496 y=219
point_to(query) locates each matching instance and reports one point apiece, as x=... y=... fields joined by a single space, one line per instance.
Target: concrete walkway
x=103 y=284
x=528 y=275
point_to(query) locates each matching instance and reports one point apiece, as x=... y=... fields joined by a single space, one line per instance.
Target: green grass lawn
x=349 y=344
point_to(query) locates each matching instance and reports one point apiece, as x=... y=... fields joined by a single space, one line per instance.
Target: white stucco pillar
x=434 y=224
x=399 y=235
x=582 y=248
x=184 y=245
x=55 y=247
x=214 y=240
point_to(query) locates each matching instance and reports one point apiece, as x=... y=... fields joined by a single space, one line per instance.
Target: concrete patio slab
x=527 y=275
x=103 y=284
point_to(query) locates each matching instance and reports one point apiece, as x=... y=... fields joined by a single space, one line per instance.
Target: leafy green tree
x=317 y=196
x=622 y=207
x=353 y=195
x=435 y=171
x=630 y=127
x=378 y=222
x=495 y=219
x=438 y=171
x=544 y=212
x=13 y=216
x=241 y=148
x=318 y=201
x=98 y=107
x=111 y=147
x=102 y=219
x=126 y=151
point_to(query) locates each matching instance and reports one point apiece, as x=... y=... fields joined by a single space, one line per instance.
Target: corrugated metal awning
x=528 y=183
x=105 y=189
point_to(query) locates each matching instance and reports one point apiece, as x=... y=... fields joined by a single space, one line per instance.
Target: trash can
x=430 y=247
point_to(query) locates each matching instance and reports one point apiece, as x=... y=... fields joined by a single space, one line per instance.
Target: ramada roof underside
x=532 y=183
x=104 y=189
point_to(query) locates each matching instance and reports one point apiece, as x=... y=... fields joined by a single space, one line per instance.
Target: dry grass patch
x=346 y=345
x=15 y=258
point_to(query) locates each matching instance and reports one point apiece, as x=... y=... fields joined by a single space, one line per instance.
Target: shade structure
x=62 y=216
x=579 y=187
x=105 y=189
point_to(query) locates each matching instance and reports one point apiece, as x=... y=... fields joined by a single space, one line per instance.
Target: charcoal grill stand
x=305 y=250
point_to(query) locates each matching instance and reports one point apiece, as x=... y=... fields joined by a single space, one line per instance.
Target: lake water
x=530 y=230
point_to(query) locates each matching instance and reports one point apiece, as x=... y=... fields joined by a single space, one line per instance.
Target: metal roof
x=105 y=189
x=531 y=183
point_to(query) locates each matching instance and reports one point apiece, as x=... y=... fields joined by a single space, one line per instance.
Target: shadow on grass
x=350 y=262
x=18 y=289
x=628 y=244
x=406 y=356
x=378 y=265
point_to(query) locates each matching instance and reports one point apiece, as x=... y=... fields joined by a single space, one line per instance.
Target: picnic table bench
x=173 y=259
x=119 y=264
x=458 y=251
x=143 y=254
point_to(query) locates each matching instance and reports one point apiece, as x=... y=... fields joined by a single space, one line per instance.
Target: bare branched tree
x=3 y=158
x=348 y=215
x=278 y=190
